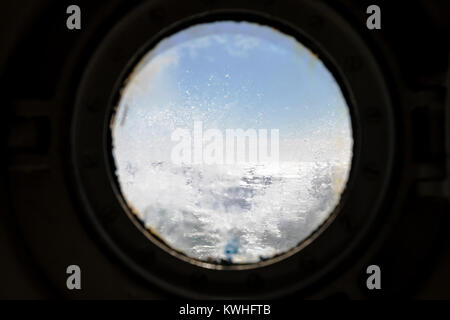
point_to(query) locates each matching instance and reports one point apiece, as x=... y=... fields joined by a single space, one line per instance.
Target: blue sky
x=234 y=75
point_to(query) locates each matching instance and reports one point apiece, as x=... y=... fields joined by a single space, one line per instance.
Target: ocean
x=240 y=213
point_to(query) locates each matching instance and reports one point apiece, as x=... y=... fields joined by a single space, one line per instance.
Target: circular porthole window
x=232 y=142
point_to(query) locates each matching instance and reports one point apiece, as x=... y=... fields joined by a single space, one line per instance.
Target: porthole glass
x=232 y=142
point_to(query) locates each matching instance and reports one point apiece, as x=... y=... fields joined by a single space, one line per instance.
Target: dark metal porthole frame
x=345 y=54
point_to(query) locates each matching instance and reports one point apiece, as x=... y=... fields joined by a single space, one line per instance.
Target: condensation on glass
x=232 y=142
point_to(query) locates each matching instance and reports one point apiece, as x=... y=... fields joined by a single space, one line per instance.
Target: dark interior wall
x=41 y=63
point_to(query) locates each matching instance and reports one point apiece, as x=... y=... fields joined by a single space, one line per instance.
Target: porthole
x=357 y=126
x=232 y=142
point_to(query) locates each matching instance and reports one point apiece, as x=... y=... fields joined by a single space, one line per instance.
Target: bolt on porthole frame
x=363 y=84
